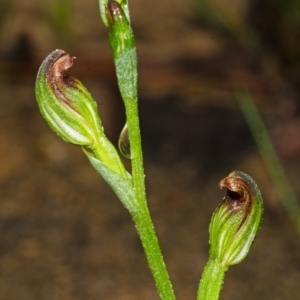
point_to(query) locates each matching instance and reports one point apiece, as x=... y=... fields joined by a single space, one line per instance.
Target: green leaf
x=122 y=187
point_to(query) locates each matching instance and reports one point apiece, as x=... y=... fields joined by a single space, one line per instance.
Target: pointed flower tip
x=115 y=12
x=66 y=105
x=237 y=220
x=120 y=33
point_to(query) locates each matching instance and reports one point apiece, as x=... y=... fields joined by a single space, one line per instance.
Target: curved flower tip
x=64 y=102
x=237 y=219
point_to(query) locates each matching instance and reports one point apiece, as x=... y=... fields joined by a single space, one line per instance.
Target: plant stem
x=136 y=149
x=121 y=38
x=155 y=260
x=211 y=281
x=142 y=218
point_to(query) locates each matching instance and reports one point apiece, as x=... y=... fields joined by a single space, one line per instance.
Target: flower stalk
x=121 y=38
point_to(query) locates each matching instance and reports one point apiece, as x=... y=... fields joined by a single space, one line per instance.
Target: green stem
x=155 y=259
x=142 y=218
x=125 y=59
x=211 y=281
x=136 y=149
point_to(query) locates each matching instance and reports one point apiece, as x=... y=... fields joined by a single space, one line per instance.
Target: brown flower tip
x=114 y=11
x=56 y=66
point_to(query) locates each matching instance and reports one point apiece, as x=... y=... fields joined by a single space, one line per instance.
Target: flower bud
x=70 y=110
x=237 y=219
x=64 y=102
x=123 y=46
x=120 y=32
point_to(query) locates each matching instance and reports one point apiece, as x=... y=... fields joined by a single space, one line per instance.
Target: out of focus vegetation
x=272 y=27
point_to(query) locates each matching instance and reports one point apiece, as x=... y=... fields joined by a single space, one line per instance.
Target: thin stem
x=136 y=149
x=142 y=218
x=211 y=281
x=152 y=250
x=125 y=60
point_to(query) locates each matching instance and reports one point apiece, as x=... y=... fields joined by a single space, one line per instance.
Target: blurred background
x=63 y=233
